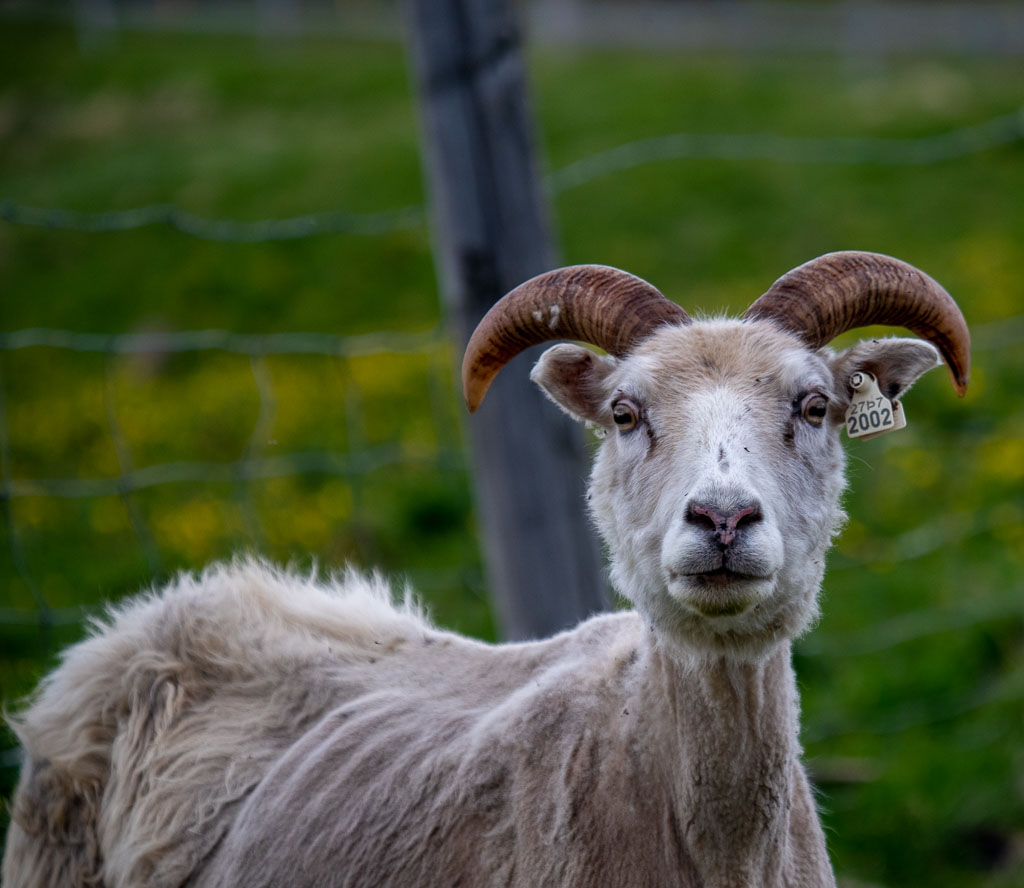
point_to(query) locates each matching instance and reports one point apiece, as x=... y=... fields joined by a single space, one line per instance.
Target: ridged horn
x=604 y=306
x=841 y=291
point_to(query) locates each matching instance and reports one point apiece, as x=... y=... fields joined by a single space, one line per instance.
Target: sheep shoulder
x=530 y=764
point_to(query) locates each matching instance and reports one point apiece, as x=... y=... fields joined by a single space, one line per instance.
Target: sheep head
x=717 y=485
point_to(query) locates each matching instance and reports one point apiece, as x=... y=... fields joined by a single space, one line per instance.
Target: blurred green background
x=913 y=683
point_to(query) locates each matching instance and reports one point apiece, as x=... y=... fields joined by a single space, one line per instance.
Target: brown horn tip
x=604 y=306
x=837 y=292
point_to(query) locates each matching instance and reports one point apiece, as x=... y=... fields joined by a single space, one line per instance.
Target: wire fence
x=224 y=230
x=358 y=460
x=999 y=131
x=362 y=459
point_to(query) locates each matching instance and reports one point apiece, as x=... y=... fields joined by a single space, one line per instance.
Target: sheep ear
x=895 y=363
x=573 y=377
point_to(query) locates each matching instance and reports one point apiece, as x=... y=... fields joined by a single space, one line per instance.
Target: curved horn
x=604 y=306
x=840 y=291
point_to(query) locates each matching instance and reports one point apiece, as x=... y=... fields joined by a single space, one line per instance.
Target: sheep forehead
x=749 y=356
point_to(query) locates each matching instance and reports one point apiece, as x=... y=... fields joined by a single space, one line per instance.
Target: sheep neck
x=734 y=729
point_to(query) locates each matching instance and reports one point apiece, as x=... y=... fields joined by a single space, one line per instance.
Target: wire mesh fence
x=999 y=131
x=359 y=457
x=122 y=488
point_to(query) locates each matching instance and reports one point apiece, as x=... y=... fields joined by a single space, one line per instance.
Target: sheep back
x=141 y=744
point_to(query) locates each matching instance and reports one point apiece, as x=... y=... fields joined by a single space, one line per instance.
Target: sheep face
x=717 y=486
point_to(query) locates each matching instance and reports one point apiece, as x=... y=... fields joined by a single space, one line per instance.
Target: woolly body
x=312 y=743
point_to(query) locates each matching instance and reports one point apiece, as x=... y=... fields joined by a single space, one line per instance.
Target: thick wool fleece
x=331 y=738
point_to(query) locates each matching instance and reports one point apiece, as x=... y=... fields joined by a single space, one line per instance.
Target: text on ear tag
x=870 y=412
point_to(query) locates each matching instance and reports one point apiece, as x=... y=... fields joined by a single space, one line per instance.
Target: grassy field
x=913 y=683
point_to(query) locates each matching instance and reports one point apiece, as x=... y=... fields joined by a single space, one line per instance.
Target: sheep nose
x=721 y=522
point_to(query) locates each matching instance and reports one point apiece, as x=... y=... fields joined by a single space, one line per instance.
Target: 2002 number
x=869 y=420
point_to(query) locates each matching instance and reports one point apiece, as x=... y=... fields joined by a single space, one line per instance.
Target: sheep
x=252 y=726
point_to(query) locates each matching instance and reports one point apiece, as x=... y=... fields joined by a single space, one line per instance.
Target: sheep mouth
x=718 y=592
x=715 y=577
x=721 y=576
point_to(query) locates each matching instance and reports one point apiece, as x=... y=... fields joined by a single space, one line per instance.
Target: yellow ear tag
x=870 y=412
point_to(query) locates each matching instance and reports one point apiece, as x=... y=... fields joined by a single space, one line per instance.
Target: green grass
x=913 y=683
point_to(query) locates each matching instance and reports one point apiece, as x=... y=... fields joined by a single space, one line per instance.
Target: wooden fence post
x=490 y=233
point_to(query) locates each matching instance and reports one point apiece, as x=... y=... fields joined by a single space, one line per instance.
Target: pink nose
x=723 y=524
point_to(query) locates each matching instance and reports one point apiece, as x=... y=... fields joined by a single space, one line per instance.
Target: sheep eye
x=626 y=415
x=814 y=408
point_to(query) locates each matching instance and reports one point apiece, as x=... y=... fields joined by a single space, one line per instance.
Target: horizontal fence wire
x=226 y=230
x=999 y=131
x=299 y=463
x=156 y=343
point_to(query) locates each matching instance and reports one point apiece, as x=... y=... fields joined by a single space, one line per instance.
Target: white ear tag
x=870 y=412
